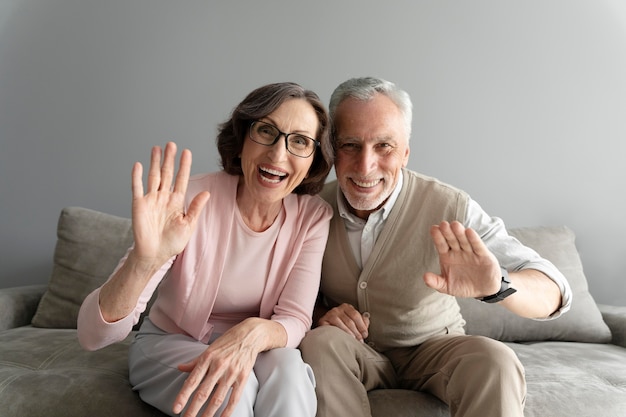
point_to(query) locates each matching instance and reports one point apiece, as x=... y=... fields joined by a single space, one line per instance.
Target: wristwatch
x=505 y=289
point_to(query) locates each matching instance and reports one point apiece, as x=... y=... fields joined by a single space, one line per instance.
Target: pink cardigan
x=187 y=293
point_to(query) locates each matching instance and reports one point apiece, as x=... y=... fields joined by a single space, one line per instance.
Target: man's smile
x=366 y=184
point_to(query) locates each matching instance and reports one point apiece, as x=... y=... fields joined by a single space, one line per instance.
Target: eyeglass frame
x=316 y=142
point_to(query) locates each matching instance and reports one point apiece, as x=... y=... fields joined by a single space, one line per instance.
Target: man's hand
x=348 y=319
x=468 y=268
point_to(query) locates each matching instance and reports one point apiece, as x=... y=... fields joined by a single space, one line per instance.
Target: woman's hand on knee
x=211 y=377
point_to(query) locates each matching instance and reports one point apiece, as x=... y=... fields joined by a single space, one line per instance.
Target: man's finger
x=441 y=244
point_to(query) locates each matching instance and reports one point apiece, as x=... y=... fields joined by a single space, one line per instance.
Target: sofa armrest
x=18 y=305
x=615 y=318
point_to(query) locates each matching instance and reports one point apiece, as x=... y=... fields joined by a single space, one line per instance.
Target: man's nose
x=366 y=160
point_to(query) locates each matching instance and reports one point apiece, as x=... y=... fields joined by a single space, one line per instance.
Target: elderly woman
x=236 y=257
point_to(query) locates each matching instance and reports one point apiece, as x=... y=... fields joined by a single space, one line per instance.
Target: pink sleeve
x=295 y=306
x=94 y=332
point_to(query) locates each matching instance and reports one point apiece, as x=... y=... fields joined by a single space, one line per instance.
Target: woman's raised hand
x=161 y=226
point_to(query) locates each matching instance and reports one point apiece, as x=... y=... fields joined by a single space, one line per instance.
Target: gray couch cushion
x=573 y=379
x=45 y=372
x=89 y=246
x=583 y=323
x=18 y=305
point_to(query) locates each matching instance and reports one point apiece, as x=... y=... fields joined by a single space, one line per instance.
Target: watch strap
x=505 y=289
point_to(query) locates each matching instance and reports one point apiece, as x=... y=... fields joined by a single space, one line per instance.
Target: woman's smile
x=271 y=175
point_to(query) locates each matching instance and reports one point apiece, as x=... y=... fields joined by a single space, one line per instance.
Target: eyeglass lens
x=267 y=134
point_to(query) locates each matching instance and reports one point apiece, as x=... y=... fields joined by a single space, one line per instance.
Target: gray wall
x=522 y=104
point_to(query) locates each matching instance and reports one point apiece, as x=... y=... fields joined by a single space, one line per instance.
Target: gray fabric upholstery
x=574 y=379
x=615 y=318
x=44 y=372
x=17 y=305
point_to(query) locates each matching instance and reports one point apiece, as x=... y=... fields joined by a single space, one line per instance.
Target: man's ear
x=407 y=152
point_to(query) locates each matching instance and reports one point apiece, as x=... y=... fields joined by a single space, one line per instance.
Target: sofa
x=575 y=365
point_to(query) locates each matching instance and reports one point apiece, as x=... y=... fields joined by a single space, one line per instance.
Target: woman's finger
x=167 y=169
x=235 y=396
x=215 y=399
x=193 y=381
x=182 y=177
x=154 y=174
x=137 y=180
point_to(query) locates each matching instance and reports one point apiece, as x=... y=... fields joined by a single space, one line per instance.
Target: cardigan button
x=362 y=285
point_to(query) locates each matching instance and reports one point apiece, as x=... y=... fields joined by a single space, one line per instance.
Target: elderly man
x=401 y=247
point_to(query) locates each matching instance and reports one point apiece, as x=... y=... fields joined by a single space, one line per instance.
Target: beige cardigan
x=403 y=310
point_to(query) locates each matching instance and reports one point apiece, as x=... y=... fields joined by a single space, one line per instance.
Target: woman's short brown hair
x=259 y=104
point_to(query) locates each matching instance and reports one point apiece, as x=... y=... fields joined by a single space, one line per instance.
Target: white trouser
x=281 y=384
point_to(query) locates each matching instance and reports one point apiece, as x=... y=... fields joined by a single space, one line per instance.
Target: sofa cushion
x=45 y=372
x=573 y=379
x=89 y=246
x=583 y=323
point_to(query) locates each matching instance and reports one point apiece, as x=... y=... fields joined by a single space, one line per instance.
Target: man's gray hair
x=365 y=88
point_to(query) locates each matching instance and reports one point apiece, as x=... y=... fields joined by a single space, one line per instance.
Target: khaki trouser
x=476 y=376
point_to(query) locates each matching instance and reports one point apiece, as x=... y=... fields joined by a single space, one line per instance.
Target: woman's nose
x=278 y=150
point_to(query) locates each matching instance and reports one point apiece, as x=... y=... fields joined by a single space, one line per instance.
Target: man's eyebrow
x=348 y=138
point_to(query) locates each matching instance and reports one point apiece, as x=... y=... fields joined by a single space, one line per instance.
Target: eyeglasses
x=297 y=144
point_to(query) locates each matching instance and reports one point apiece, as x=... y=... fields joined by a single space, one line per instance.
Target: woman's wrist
x=265 y=334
